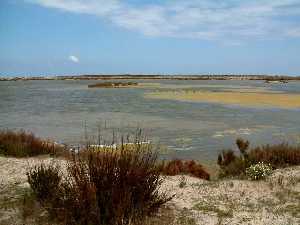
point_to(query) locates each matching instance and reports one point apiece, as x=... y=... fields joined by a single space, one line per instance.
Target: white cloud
x=74 y=59
x=231 y=20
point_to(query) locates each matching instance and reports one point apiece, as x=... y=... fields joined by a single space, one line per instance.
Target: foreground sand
x=250 y=98
x=274 y=201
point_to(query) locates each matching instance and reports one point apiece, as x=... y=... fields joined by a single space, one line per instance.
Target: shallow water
x=61 y=110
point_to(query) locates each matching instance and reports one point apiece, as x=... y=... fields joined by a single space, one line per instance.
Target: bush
x=226 y=157
x=112 y=187
x=23 y=144
x=44 y=181
x=230 y=164
x=176 y=166
x=280 y=155
x=242 y=145
x=277 y=156
x=76 y=202
x=258 y=171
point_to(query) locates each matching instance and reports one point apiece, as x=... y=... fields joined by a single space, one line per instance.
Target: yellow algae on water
x=149 y=85
x=249 y=99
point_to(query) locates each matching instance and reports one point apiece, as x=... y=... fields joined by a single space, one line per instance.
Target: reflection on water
x=59 y=110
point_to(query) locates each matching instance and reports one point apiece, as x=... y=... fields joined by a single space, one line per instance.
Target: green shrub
x=258 y=171
x=233 y=168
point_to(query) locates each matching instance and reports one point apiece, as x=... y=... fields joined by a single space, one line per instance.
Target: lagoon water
x=64 y=110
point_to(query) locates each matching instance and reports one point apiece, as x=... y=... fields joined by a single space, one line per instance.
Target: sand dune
x=231 y=201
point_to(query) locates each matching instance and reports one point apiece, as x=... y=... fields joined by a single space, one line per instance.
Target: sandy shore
x=243 y=98
x=274 y=201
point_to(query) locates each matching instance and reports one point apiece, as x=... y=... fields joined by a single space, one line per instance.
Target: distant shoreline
x=156 y=77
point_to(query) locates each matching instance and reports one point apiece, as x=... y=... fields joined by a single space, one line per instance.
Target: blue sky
x=55 y=37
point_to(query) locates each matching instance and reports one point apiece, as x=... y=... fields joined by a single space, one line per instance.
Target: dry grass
x=25 y=144
x=281 y=155
x=176 y=167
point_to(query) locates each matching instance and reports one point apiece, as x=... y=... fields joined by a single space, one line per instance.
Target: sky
x=68 y=37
